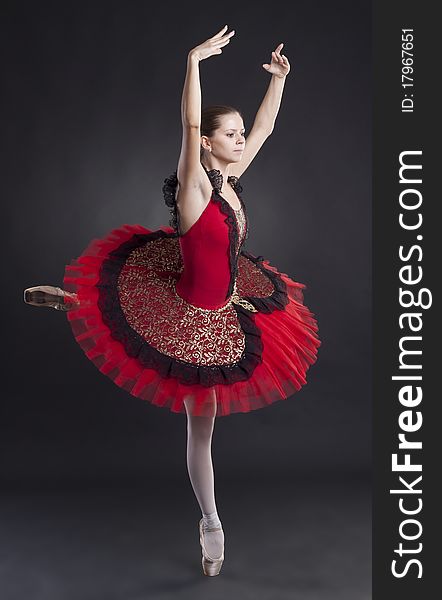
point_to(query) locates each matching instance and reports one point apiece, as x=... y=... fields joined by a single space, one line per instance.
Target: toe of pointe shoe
x=211 y=566
x=50 y=296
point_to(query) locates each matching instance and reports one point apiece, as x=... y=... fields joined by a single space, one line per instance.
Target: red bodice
x=207 y=249
x=211 y=247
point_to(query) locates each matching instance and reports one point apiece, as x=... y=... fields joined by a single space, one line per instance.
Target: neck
x=222 y=167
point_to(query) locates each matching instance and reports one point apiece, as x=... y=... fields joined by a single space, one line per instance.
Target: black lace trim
x=171 y=184
x=216 y=179
x=279 y=299
x=169 y=191
x=148 y=356
x=233 y=239
x=236 y=184
x=217 y=183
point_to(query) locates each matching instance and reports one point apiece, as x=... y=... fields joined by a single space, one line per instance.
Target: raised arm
x=266 y=116
x=189 y=170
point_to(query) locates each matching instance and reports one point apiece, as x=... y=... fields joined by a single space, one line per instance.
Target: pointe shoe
x=211 y=566
x=50 y=296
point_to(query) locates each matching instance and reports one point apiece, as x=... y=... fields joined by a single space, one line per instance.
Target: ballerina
x=183 y=316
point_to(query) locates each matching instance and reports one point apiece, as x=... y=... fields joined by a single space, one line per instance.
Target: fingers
x=223 y=40
x=278 y=57
x=219 y=40
x=221 y=33
x=228 y=35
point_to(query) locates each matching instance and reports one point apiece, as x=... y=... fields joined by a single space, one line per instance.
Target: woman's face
x=228 y=141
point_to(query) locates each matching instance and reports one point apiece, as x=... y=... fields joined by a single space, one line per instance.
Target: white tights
x=200 y=467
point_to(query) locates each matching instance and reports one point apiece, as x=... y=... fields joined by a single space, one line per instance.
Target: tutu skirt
x=135 y=328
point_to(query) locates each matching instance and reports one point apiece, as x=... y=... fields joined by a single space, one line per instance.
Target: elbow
x=190 y=124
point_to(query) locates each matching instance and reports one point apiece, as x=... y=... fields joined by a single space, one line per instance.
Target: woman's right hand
x=213 y=45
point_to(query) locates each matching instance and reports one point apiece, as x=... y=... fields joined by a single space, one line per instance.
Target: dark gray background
x=91 y=127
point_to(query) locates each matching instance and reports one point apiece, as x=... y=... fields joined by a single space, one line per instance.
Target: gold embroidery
x=251 y=281
x=174 y=327
x=236 y=299
x=162 y=254
x=200 y=308
x=241 y=221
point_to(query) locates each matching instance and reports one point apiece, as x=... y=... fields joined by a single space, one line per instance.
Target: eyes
x=231 y=134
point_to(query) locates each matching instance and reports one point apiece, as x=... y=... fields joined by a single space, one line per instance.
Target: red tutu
x=139 y=323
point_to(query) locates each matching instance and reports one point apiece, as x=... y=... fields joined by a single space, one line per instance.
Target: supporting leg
x=201 y=473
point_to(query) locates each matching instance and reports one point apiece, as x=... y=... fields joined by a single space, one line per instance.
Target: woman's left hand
x=279 y=66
